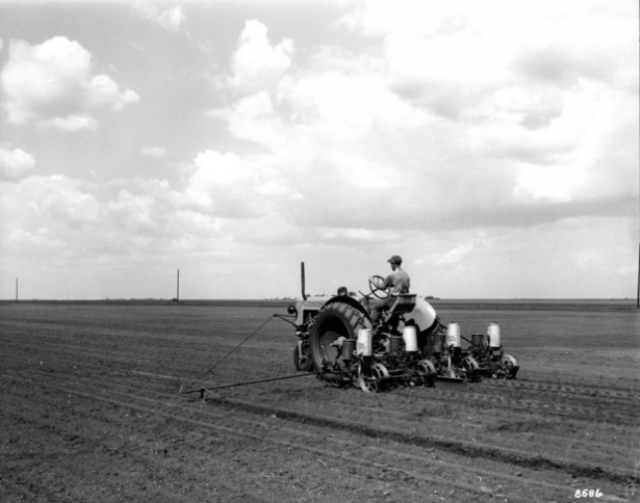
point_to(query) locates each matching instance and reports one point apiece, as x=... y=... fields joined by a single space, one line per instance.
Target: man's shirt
x=397 y=281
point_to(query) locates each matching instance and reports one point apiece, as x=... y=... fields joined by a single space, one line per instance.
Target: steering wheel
x=375 y=285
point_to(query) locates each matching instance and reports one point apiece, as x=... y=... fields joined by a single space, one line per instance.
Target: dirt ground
x=91 y=411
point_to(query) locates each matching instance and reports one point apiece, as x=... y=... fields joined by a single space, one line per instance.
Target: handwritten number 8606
x=588 y=493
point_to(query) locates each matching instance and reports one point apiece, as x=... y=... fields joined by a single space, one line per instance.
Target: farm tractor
x=406 y=345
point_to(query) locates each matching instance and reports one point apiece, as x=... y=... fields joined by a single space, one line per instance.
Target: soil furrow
x=226 y=430
x=342 y=451
x=95 y=389
x=476 y=450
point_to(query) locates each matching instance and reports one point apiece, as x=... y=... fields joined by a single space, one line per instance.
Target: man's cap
x=396 y=259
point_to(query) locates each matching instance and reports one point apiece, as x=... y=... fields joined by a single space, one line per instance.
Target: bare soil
x=91 y=411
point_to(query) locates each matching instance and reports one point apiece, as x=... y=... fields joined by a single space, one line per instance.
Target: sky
x=494 y=145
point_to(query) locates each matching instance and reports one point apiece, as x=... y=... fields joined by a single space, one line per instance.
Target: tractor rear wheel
x=336 y=320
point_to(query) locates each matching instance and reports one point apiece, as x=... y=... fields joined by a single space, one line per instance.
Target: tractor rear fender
x=350 y=301
x=423 y=315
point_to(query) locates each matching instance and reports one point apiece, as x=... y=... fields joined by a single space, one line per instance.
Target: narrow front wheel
x=302 y=357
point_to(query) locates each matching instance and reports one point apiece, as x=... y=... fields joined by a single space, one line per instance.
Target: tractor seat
x=404 y=303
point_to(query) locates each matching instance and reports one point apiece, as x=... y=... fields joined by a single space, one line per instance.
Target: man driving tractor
x=397 y=282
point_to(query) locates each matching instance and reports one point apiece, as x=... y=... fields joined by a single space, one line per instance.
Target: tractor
x=406 y=345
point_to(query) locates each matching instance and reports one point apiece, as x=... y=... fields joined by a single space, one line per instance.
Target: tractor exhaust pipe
x=304 y=295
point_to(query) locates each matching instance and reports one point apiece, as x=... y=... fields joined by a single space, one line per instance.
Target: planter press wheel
x=374 y=285
x=470 y=368
x=510 y=366
x=370 y=379
x=427 y=371
x=302 y=359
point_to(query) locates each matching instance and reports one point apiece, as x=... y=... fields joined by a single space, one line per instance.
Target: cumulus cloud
x=157 y=152
x=325 y=128
x=556 y=66
x=351 y=235
x=42 y=215
x=70 y=123
x=454 y=256
x=102 y=92
x=452 y=123
x=531 y=108
x=65 y=200
x=169 y=19
x=547 y=98
x=256 y=65
x=446 y=125
x=60 y=217
x=52 y=84
x=450 y=57
x=145 y=209
x=253 y=118
x=232 y=186
x=520 y=147
x=15 y=164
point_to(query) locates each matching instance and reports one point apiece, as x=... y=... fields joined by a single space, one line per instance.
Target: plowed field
x=90 y=411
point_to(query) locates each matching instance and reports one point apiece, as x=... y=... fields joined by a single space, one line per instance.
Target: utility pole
x=304 y=295
x=178 y=286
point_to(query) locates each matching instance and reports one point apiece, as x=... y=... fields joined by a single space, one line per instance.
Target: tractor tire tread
x=349 y=317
